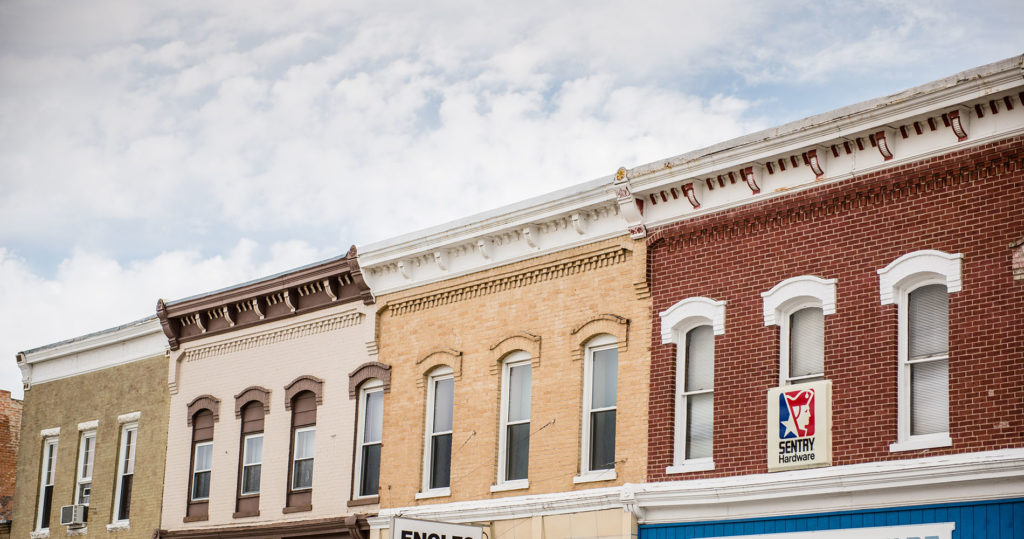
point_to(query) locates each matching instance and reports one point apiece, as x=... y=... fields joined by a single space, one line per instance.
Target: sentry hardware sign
x=411 y=528
x=800 y=426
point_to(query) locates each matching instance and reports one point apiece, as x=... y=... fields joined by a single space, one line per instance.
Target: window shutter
x=929 y=397
x=807 y=342
x=929 y=321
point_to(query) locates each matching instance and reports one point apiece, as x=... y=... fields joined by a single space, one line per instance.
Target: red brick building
x=870 y=253
x=10 y=428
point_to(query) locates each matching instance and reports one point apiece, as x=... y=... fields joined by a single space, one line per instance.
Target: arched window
x=369 y=432
x=799 y=306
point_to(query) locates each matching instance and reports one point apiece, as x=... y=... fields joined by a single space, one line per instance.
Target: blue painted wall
x=1002 y=519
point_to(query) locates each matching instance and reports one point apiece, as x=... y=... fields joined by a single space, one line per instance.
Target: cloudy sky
x=152 y=150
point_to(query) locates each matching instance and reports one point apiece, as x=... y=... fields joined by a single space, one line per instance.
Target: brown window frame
x=303 y=406
x=198 y=510
x=252 y=415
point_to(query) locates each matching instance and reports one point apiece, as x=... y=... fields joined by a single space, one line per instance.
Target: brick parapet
x=966 y=201
x=10 y=428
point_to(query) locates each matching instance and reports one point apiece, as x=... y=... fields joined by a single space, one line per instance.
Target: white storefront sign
x=800 y=426
x=410 y=528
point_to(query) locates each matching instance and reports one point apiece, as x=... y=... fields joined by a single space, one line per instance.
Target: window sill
x=243 y=514
x=594 y=476
x=118 y=526
x=434 y=493
x=696 y=465
x=926 y=441
x=40 y=534
x=74 y=532
x=518 y=484
x=297 y=509
x=196 y=518
x=371 y=500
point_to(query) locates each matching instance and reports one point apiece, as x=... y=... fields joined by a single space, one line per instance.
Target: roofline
x=91 y=341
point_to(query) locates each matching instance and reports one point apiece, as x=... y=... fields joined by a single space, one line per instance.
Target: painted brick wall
x=969 y=201
x=10 y=427
x=103 y=395
x=549 y=300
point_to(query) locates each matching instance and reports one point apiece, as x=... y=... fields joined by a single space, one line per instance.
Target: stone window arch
x=304 y=383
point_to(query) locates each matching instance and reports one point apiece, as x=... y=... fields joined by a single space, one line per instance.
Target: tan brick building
x=555 y=299
x=93 y=433
x=265 y=378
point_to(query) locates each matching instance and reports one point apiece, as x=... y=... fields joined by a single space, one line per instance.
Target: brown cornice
x=354 y=526
x=317 y=286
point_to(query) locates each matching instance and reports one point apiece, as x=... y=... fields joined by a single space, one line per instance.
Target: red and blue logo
x=796 y=414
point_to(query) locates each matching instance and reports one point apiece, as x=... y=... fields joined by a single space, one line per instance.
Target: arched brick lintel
x=367 y=371
x=305 y=382
x=207 y=402
x=612 y=324
x=249 y=394
x=524 y=340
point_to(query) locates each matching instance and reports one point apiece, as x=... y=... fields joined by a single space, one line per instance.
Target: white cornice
x=138 y=340
x=951 y=478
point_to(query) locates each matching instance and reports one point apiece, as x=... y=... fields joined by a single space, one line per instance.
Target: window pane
x=374 y=417
x=806 y=342
x=129 y=454
x=929 y=397
x=602 y=440
x=251 y=479
x=84 y=490
x=443 y=400
x=253 y=450
x=519 y=393
x=88 y=452
x=204 y=457
x=302 y=474
x=517 y=451
x=44 y=517
x=304 y=440
x=201 y=485
x=370 y=475
x=700 y=358
x=699 y=425
x=606 y=366
x=929 y=321
x=440 y=460
x=125 y=506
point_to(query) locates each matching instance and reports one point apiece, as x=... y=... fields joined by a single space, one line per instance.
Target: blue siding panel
x=999 y=519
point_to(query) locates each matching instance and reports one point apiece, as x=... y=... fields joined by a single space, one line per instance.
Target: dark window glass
x=371 y=470
x=440 y=460
x=518 y=451
x=602 y=440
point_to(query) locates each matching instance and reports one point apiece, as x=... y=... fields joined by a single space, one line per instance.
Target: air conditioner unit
x=74 y=516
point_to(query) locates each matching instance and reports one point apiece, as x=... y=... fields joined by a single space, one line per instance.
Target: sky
x=158 y=150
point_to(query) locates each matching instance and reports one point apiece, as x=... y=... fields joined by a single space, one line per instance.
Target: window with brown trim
x=250 y=460
x=301 y=452
x=201 y=466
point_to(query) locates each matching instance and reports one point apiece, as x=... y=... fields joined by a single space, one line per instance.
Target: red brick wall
x=970 y=201
x=10 y=429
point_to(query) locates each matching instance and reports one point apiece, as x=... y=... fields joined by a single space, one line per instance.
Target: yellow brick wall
x=103 y=395
x=549 y=297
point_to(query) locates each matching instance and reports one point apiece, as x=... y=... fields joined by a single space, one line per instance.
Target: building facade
x=838 y=331
x=262 y=427
x=518 y=355
x=10 y=432
x=93 y=435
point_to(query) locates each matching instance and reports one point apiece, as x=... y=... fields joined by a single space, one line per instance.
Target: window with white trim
x=302 y=464
x=202 y=467
x=600 y=396
x=919 y=283
x=514 y=433
x=798 y=306
x=692 y=325
x=369 y=433
x=47 y=472
x=438 y=443
x=86 y=460
x=125 y=472
x=252 y=463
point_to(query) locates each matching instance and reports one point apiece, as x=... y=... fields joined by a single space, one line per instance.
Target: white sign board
x=800 y=426
x=410 y=528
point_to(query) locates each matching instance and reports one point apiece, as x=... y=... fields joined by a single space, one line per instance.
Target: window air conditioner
x=74 y=516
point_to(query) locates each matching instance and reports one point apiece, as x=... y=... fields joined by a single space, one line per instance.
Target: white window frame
x=439 y=374
x=122 y=462
x=515 y=359
x=595 y=344
x=195 y=462
x=295 y=459
x=676 y=322
x=368 y=387
x=896 y=281
x=47 y=465
x=245 y=453
x=86 y=451
x=785 y=299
